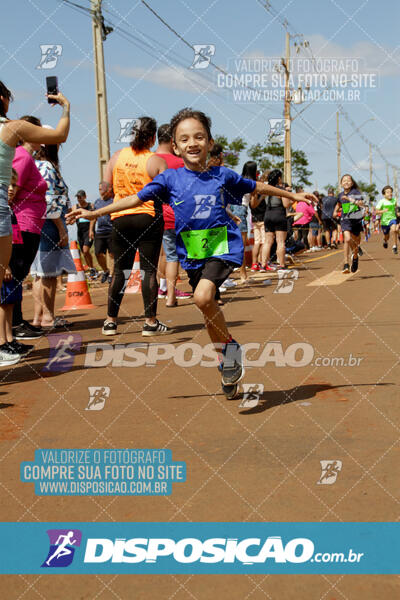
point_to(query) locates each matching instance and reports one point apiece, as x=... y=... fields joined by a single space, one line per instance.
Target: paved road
x=325 y=353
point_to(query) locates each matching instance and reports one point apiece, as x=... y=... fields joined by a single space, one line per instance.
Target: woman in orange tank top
x=140 y=228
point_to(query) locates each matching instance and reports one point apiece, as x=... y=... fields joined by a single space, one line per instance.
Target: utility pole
x=395 y=184
x=287 y=151
x=387 y=174
x=338 y=150
x=100 y=32
x=370 y=164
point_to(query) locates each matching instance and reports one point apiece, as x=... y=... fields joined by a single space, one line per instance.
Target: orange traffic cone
x=77 y=290
x=134 y=284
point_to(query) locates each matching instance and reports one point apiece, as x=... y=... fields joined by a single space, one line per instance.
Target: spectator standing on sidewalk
x=85 y=243
x=100 y=230
x=168 y=288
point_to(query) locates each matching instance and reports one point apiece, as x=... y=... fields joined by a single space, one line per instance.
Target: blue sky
x=149 y=73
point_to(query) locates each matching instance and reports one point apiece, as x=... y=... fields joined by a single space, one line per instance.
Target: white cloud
x=176 y=78
x=371 y=56
x=374 y=56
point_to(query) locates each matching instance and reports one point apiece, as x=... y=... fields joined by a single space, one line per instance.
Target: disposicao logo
x=191 y=550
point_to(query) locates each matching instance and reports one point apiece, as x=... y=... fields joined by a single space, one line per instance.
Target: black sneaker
x=354 y=263
x=157 y=329
x=7 y=356
x=232 y=368
x=346 y=268
x=230 y=391
x=360 y=251
x=385 y=244
x=21 y=349
x=109 y=328
x=93 y=274
x=394 y=249
x=105 y=276
x=32 y=327
x=23 y=332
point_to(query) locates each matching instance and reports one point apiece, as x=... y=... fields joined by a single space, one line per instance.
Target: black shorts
x=102 y=244
x=355 y=226
x=83 y=235
x=275 y=220
x=329 y=224
x=214 y=269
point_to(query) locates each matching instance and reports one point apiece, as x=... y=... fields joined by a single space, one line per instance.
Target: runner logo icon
x=62 y=348
x=50 y=56
x=204 y=204
x=286 y=281
x=97 y=397
x=251 y=395
x=126 y=133
x=277 y=128
x=202 y=55
x=62 y=547
x=330 y=470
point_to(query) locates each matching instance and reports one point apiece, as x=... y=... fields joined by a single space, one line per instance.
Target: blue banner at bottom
x=200 y=548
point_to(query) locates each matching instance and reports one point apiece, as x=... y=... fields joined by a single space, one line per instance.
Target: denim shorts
x=5 y=213
x=169 y=244
x=239 y=210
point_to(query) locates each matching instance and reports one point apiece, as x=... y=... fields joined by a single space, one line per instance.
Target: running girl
x=351 y=203
x=209 y=244
x=386 y=207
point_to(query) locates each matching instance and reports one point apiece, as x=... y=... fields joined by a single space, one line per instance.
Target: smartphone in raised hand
x=52 y=88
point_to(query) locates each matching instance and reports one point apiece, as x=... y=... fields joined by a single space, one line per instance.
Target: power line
x=266 y=4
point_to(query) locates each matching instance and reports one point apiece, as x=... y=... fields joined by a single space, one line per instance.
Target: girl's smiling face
x=192 y=144
x=388 y=193
x=347 y=183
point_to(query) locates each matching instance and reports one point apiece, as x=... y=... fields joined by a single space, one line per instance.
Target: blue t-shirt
x=198 y=199
x=103 y=223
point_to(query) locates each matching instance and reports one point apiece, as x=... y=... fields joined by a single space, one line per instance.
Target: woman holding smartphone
x=11 y=132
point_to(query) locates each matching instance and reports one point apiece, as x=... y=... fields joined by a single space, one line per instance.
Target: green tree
x=369 y=190
x=231 y=149
x=271 y=156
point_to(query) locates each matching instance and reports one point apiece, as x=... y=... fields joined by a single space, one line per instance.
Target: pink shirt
x=29 y=204
x=308 y=213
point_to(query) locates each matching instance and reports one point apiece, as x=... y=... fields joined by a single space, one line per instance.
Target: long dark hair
x=5 y=92
x=49 y=153
x=29 y=119
x=143 y=132
x=249 y=170
x=274 y=176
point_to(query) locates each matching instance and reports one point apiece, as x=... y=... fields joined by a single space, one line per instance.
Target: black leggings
x=24 y=255
x=130 y=233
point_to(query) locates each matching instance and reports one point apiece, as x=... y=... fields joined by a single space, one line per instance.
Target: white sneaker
x=229 y=283
x=7 y=356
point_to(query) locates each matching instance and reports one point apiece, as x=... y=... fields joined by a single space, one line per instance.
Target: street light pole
x=99 y=35
x=287 y=151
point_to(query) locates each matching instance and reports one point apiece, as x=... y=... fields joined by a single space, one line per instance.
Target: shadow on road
x=304 y=392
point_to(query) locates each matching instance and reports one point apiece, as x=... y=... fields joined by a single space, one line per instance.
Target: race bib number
x=352 y=211
x=205 y=243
